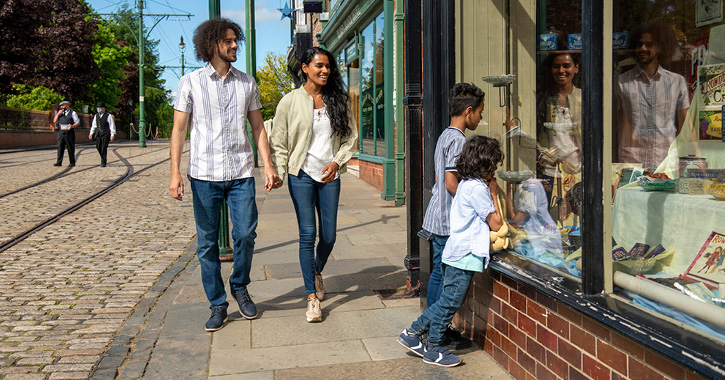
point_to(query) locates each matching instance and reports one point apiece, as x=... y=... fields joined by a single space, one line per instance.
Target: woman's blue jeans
x=208 y=197
x=436 y=317
x=316 y=205
x=436 y=273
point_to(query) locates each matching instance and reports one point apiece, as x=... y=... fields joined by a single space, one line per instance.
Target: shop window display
x=668 y=156
x=544 y=201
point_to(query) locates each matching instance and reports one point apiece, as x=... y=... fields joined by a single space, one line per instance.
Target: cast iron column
x=414 y=136
x=593 y=123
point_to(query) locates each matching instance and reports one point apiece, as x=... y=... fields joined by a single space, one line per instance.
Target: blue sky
x=273 y=34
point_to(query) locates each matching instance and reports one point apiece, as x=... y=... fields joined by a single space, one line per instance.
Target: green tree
x=158 y=112
x=47 y=43
x=124 y=26
x=112 y=56
x=274 y=82
x=38 y=98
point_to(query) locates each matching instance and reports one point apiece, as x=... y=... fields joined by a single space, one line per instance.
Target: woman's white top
x=319 y=153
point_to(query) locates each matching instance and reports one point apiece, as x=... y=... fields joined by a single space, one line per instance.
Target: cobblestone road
x=66 y=291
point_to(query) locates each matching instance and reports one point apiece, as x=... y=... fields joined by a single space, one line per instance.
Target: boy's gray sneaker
x=217 y=319
x=412 y=342
x=246 y=307
x=440 y=356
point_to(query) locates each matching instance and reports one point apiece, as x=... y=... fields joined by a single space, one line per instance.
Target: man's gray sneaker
x=412 y=342
x=217 y=319
x=246 y=307
x=440 y=356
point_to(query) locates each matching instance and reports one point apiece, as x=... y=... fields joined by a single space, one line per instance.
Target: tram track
x=64 y=173
x=130 y=173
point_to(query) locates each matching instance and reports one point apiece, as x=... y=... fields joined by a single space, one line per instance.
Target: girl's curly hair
x=210 y=32
x=479 y=158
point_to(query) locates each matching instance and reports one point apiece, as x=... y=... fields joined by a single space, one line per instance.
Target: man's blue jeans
x=314 y=202
x=436 y=273
x=436 y=317
x=208 y=197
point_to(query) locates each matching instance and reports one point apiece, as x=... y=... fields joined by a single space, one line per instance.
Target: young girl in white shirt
x=473 y=215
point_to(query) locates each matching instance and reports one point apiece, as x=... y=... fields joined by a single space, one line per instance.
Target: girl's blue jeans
x=315 y=205
x=436 y=317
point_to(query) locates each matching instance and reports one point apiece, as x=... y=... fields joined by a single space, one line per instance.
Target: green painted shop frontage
x=366 y=38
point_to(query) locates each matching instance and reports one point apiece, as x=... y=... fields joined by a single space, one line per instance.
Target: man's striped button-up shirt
x=220 y=148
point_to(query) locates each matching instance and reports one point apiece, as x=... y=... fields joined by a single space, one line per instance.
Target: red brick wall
x=371 y=173
x=533 y=336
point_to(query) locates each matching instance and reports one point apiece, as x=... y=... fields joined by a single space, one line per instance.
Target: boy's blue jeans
x=436 y=317
x=436 y=273
x=207 y=198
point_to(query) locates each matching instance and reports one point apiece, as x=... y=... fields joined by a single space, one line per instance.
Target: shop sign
x=355 y=14
x=351 y=52
x=710 y=125
x=696 y=58
x=708 y=12
x=711 y=80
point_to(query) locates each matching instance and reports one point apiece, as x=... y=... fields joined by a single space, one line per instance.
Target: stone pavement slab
x=332 y=268
x=476 y=365
x=282 y=356
x=335 y=327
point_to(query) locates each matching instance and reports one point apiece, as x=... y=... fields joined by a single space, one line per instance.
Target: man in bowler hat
x=64 y=121
x=103 y=130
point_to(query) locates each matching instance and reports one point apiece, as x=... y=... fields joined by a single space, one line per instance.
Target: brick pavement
x=72 y=289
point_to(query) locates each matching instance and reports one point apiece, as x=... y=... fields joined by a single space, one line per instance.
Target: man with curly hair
x=217 y=101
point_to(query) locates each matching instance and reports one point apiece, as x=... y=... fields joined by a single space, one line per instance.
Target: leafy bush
x=38 y=98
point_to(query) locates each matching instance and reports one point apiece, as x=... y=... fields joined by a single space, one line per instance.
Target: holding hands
x=271 y=179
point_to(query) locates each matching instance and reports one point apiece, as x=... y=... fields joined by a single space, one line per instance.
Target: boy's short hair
x=464 y=95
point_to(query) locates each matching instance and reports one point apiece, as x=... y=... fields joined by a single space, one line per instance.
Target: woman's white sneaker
x=314 y=314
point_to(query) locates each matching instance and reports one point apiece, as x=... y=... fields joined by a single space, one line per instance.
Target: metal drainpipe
x=399 y=110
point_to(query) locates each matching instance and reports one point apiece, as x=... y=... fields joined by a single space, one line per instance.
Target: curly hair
x=464 y=95
x=210 y=32
x=334 y=94
x=663 y=34
x=479 y=158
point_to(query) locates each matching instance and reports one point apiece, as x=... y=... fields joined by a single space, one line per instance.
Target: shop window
x=668 y=159
x=544 y=169
x=367 y=90
x=667 y=162
x=379 y=133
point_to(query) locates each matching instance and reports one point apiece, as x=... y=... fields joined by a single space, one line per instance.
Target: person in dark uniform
x=64 y=122
x=105 y=131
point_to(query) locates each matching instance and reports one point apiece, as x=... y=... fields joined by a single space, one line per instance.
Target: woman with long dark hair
x=313 y=137
x=559 y=127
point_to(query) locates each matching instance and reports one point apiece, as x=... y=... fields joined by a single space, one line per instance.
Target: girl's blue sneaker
x=440 y=356
x=412 y=342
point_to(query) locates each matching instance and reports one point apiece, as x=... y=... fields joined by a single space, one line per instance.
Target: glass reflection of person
x=559 y=115
x=652 y=102
x=527 y=208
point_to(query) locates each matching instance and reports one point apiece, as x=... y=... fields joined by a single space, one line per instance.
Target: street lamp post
x=182 y=47
x=141 y=121
x=225 y=250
